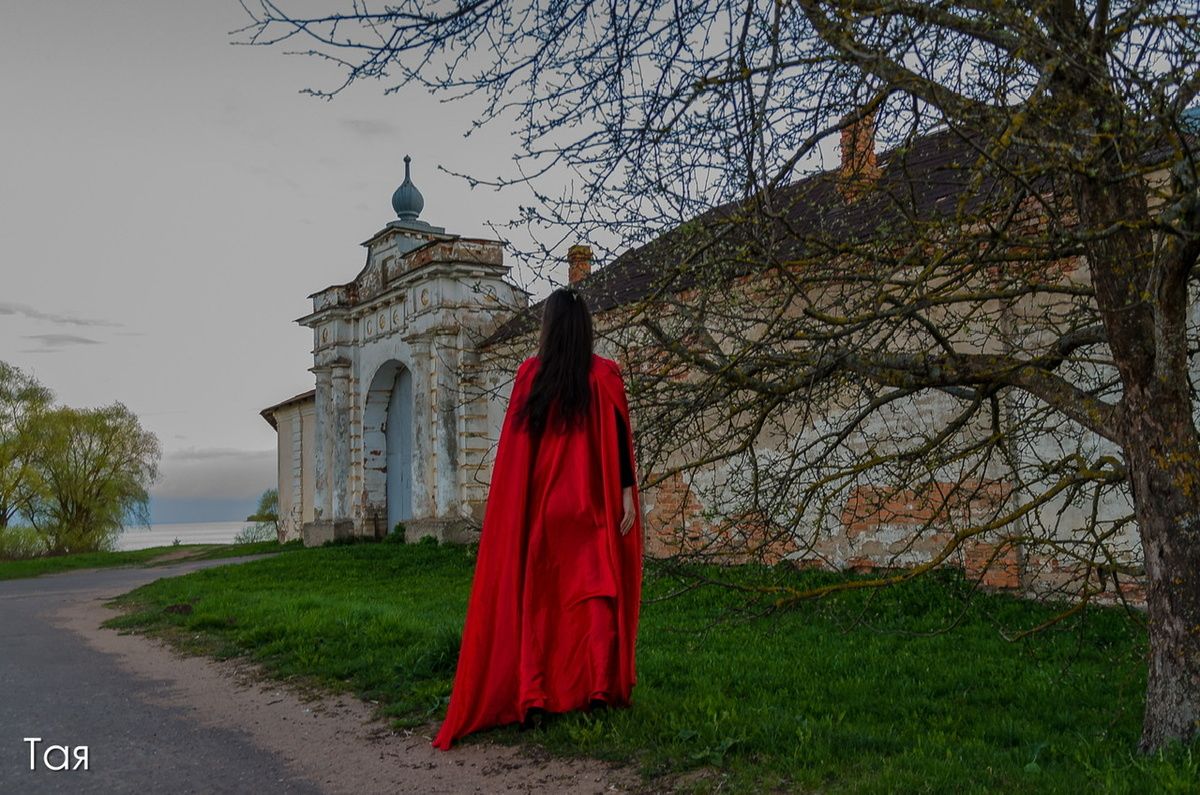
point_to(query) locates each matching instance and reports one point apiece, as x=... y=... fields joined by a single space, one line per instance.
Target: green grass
x=857 y=694
x=33 y=567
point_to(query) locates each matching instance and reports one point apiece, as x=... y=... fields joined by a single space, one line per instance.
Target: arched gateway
x=388 y=448
x=396 y=425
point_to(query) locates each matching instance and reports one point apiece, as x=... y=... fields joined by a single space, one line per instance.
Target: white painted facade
x=294 y=421
x=395 y=418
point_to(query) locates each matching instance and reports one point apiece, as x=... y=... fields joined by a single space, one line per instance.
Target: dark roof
x=921 y=180
x=268 y=413
x=929 y=179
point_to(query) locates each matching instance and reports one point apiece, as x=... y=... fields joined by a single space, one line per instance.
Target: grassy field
x=33 y=567
x=914 y=690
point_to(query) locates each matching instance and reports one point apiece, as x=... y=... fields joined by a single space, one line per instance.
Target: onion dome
x=407 y=201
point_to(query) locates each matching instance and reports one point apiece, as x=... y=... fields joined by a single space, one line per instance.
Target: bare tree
x=981 y=335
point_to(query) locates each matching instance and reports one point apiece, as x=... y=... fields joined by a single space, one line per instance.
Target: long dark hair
x=565 y=353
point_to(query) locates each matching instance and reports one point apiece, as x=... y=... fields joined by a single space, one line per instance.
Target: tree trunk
x=1165 y=472
x=1144 y=304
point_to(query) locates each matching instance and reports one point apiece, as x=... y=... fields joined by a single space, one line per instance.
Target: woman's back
x=566 y=486
x=552 y=617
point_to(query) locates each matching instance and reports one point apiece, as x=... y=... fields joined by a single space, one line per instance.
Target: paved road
x=54 y=686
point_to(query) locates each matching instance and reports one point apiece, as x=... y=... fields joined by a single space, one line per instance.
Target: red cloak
x=555 y=579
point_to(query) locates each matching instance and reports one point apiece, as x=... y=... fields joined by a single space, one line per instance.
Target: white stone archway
x=403 y=334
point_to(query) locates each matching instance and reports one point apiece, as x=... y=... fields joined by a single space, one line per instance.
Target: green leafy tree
x=22 y=401
x=96 y=467
x=265 y=518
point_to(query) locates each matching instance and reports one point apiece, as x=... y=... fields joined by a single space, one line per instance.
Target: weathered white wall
x=294 y=426
x=421 y=303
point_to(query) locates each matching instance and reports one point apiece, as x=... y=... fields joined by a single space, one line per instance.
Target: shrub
x=21 y=543
x=255 y=533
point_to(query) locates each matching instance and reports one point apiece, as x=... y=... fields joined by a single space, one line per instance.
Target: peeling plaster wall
x=420 y=303
x=872 y=527
x=294 y=425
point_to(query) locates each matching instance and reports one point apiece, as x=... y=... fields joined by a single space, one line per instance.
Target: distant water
x=164 y=535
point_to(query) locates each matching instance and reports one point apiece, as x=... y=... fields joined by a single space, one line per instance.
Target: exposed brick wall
x=995 y=566
x=673 y=519
x=879 y=529
x=675 y=524
x=869 y=507
x=754 y=538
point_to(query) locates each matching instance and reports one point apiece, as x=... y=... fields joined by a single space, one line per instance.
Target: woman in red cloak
x=553 y=612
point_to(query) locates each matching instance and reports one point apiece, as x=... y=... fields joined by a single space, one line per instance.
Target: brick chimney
x=579 y=259
x=858 y=169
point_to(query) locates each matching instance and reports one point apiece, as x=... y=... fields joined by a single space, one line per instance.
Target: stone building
x=387 y=434
x=413 y=360
x=294 y=421
x=708 y=511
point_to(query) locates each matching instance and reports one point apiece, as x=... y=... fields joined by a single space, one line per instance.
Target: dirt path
x=174 y=556
x=331 y=741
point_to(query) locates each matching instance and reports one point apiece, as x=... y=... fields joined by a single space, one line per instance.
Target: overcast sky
x=168 y=200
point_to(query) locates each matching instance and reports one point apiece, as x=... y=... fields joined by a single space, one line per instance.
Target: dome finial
x=407 y=201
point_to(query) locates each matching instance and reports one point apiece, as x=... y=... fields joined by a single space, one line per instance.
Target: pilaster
x=340 y=443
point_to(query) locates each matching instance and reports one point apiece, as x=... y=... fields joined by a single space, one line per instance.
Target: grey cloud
x=10 y=308
x=56 y=342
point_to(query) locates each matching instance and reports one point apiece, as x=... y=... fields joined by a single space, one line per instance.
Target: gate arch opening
x=388 y=446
